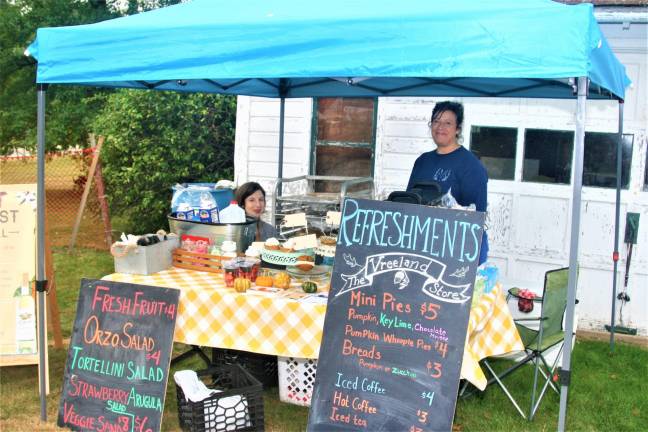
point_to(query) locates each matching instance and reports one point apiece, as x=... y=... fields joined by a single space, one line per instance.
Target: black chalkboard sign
x=396 y=318
x=118 y=361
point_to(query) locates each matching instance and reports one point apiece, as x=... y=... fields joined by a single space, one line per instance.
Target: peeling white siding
x=528 y=223
x=257 y=140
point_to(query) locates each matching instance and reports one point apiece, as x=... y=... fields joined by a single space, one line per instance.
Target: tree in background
x=156 y=139
x=69 y=109
x=153 y=139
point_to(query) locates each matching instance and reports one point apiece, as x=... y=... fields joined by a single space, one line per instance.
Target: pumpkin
x=309 y=287
x=241 y=284
x=265 y=281
x=282 y=280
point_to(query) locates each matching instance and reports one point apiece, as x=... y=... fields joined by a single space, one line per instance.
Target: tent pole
x=41 y=282
x=282 y=120
x=617 y=217
x=283 y=89
x=577 y=182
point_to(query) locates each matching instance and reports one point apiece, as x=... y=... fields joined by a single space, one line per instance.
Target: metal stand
x=301 y=196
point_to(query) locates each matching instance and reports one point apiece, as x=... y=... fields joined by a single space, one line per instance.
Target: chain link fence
x=66 y=174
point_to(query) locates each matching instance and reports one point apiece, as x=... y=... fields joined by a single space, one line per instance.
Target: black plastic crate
x=219 y=414
x=262 y=367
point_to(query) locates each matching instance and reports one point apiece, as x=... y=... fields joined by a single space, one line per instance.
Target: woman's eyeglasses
x=439 y=123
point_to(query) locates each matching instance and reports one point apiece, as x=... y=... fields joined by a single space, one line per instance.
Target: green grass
x=608 y=392
x=60 y=171
x=69 y=268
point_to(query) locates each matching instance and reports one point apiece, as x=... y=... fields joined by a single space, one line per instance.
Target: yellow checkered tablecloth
x=491 y=331
x=211 y=314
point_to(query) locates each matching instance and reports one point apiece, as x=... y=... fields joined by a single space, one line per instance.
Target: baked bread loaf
x=305 y=263
x=327 y=240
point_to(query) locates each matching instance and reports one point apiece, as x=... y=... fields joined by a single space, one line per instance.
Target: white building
x=527 y=147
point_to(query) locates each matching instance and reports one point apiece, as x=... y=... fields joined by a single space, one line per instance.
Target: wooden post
x=103 y=204
x=54 y=316
x=86 y=191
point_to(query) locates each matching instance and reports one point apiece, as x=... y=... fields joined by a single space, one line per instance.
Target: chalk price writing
x=155 y=356
x=124 y=421
x=138 y=424
x=436 y=367
x=429 y=396
x=430 y=310
x=422 y=416
x=441 y=347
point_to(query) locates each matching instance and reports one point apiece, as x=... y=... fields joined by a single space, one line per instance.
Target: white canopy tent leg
x=41 y=282
x=565 y=373
x=282 y=121
x=280 y=154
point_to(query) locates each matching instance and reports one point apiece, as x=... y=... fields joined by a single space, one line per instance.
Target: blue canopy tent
x=357 y=48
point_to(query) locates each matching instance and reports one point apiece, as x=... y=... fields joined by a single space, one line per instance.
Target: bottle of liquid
x=232 y=213
x=25 y=319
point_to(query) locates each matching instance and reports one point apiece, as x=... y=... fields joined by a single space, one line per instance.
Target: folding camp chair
x=538 y=341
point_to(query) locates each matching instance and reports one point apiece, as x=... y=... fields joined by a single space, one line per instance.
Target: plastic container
x=194 y=195
x=296 y=380
x=146 y=260
x=230 y=272
x=232 y=214
x=491 y=273
x=283 y=258
x=478 y=289
x=239 y=405
x=249 y=268
x=228 y=249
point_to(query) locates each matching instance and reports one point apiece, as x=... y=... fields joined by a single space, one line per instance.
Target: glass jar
x=230 y=272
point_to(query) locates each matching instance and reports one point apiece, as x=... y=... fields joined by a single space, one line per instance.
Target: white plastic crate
x=147 y=260
x=296 y=379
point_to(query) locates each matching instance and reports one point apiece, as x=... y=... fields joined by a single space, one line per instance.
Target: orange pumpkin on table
x=264 y=281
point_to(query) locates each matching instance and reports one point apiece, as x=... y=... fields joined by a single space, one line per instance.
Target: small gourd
x=241 y=284
x=309 y=287
x=264 y=281
x=282 y=280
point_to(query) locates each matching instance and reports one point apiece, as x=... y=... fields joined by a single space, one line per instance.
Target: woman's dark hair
x=245 y=190
x=454 y=107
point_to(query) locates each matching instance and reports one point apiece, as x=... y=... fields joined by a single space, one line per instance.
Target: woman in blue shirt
x=455 y=168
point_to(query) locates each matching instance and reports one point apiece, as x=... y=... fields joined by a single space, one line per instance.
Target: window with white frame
x=495 y=147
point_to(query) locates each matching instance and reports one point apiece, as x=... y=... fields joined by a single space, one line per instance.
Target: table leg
x=195 y=350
